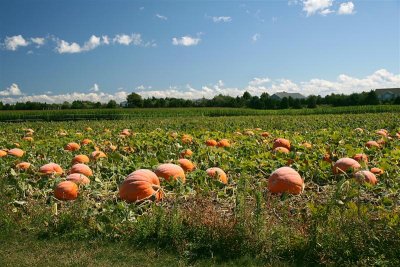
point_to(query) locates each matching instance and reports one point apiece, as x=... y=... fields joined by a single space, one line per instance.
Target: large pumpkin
x=186 y=165
x=78 y=178
x=81 y=168
x=344 y=164
x=366 y=176
x=169 y=170
x=382 y=132
x=72 y=147
x=80 y=159
x=139 y=185
x=281 y=142
x=285 y=180
x=16 y=152
x=51 y=168
x=66 y=190
x=218 y=173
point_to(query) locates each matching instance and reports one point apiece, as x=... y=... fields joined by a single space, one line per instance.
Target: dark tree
x=111 y=104
x=311 y=101
x=134 y=101
x=371 y=99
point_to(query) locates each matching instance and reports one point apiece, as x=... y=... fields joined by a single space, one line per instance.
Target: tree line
x=264 y=101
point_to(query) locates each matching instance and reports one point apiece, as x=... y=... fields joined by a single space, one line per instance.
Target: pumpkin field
x=254 y=190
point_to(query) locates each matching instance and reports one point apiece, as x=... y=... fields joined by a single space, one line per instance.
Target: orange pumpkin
x=98 y=155
x=218 y=173
x=265 y=134
x=186 y=165
x=51 y=168
x=72 y=147
x=223 y=143
x=82 y=169
x=187 y=139
x=281 y=149
x=28 y=138
x=169 y=170
x=361 y=157
x=344 y=164
x=78 y=178
x=307 y=145
x=23 y=165
x=377 y=171
x=66 y=190
x=371 y=144
x=285 y=180
x=281 y=142
x=16 y=152
x=211 y=142
x=186 y=153
x=80 y=159
x=382 y=132
x=139 y=185
x=3 y=153
x=86 y=141
x=126 y=132
x=366 y=176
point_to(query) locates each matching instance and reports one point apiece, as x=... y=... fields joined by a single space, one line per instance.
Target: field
x=201 y=222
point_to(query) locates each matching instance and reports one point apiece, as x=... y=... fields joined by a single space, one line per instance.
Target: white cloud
x=38 y=41
x=13 y=90
x=65 y=47
x=222 y=19
x=12 y=43
x=105 y=39
x=343 y=84
x=91 y=44
x=185 y=41
x=326 y=12
x=95 y=88
x=317 y=6
x=161 y=17
x=255 y=37
x=125 y=39
x=346 y=8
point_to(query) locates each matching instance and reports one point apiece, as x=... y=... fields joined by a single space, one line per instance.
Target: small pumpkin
x=223 y=143
x=344 y=164
x=23 y=165
x=366 y=176
x=16 y=152
x=80 y=159
x=28 y=138
x=169 y=170
x=361 y=157
x=249 y=133
x=327 y=158
x=218 y=173
x=51 y=168
x=139 y=185
x=211 y=142
x=186 y=165
x=98 y=155
x=281 y=142
x=306 y=145
x=281 y=149
x=3 y=153
x=187 y=139
x=377 y=171
x=285 y=180
x=265 y=134
x=126 y=132
x=72 y=146
x=82 y=169
x=78 y=178
x=86 y=141
x=186 y=153
x=371 y=144
x=66 y=190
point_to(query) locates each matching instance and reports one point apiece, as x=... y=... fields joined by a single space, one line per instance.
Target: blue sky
x=99 y=50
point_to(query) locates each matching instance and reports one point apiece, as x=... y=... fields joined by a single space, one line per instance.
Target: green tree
x=372 y=98
x=111 y=104
x=134 y=100
x=311 y=101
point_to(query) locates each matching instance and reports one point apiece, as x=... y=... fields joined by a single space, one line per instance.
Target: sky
x=57 y=50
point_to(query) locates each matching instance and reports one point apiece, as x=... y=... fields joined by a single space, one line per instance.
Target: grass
x=123 y=114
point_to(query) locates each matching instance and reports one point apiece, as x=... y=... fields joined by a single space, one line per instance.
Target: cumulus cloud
x=161 y=17
x=39 y=41
x=342 y=84
x=13 y=90
x=65 y=47
x=255 y=37
x=125 y=39
x=185 y=41
x=312 y=7
x=12 y=43
x=346 y=8
x=222 y=19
